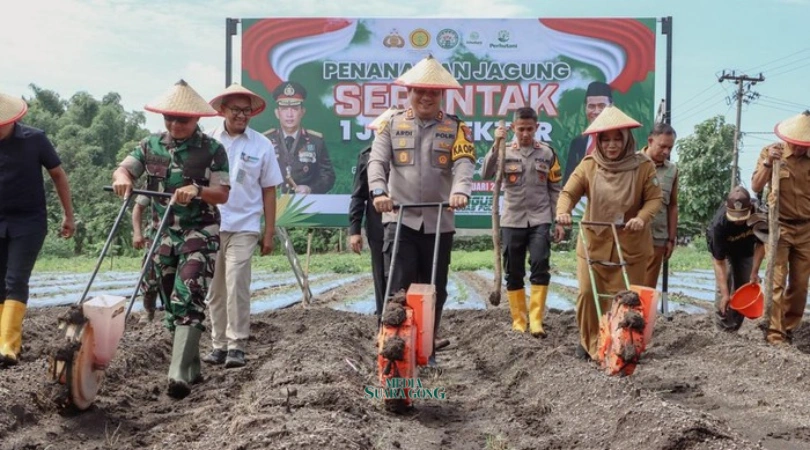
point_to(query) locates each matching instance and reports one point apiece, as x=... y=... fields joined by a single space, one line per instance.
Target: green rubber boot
x=185 y=367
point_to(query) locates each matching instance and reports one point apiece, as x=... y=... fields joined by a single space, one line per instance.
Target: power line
x=759 y=67
x=790 y=70
x=757 y=138
x=682 y=117
x=789 y=64
x=682 y=104
x=778 y=108
x=785 y=102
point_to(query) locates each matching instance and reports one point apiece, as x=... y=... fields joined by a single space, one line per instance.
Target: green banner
x=346 y=67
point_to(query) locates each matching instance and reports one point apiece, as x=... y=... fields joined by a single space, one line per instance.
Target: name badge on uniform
x=306 y=157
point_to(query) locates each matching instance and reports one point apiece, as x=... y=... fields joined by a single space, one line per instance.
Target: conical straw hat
x=256 y=102
x=181 y=100
x=11 y=109
x=428 y=73
x=795 y=130
x=383 y=118
x=611 y=118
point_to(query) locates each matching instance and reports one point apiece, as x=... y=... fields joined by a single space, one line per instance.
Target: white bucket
x=106 y=316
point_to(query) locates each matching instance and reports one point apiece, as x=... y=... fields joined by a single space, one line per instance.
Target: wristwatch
x=199 y=189
x=378 y=192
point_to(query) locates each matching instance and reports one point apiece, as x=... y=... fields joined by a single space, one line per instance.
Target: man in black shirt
x=737 y=254
x=361 y=205
x=24 y=151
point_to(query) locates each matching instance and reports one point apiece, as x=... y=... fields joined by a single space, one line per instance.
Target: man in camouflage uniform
x=193 y=167
x=149 y=285
x=422 y=155
x=302 y=154
x=531 y=181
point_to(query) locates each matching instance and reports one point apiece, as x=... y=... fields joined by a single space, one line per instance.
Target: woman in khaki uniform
x=621 y=187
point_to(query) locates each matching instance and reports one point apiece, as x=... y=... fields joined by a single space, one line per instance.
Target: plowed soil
x=303 y=388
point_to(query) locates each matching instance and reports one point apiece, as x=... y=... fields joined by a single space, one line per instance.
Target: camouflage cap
x=289 y=93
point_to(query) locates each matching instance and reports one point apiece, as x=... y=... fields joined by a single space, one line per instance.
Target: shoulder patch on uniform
x=555 y=173
x=463 y=150
x=465 y=131
x=314 y=133
x=463 y=145
x=269 y=132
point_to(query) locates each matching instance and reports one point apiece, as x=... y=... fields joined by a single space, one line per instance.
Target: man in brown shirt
x=792 y=254
x=531 y=181
x=422 y=155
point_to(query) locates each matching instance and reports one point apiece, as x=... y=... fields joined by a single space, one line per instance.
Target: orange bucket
x=748 y=300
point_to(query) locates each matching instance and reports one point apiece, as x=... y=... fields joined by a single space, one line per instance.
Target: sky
x=139 y=48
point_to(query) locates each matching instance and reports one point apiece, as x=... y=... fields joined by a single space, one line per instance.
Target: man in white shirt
x=254 y=176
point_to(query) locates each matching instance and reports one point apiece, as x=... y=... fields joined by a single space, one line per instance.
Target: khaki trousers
x=229 y=295
x=791 y=274
x=609 y=280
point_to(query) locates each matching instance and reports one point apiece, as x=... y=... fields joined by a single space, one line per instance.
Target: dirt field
x=696 y=388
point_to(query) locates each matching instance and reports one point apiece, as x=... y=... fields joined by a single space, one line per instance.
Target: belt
x=795 y=221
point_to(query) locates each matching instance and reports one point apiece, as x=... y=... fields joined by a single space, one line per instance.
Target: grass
x=683 y=259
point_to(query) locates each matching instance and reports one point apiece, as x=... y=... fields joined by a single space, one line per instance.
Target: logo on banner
x=420 y=38
x=503 y=39
x=447 y=38
x=474 y=39
x=394 y=40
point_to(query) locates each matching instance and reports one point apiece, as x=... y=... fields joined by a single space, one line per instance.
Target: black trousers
x=515 y=242
x=378 y=268
x=739 y=273
x=414 y=262
x=17 y=258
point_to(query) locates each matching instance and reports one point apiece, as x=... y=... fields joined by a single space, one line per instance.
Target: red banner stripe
x=260 y=39
x=637 y=40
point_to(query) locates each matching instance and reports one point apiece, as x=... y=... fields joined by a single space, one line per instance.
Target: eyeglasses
x=244 y=111
x=179 y=119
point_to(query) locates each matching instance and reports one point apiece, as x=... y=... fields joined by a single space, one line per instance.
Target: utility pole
x=744 y=83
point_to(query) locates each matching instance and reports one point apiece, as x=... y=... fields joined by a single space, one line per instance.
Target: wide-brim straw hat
x=257 y=104
x=429 y=74
x=181 y=100
x=383 y=118
x=795 y=130
x=12 y=109
x=611 y=118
